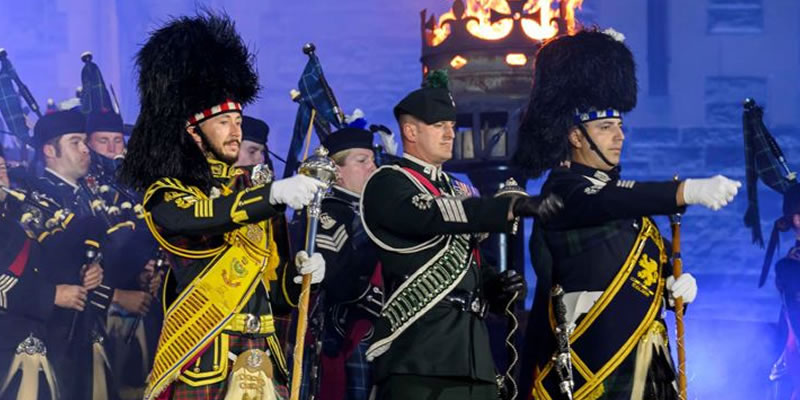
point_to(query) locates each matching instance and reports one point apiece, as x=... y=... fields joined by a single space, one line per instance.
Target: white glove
x=295 y=192
x=314 y=265
x=685 y=286
x=713 y=193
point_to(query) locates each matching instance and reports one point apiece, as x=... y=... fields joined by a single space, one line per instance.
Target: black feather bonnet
x=189 y=65
x=590 y=71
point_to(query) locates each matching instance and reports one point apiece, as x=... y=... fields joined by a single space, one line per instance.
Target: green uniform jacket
x=410 y=226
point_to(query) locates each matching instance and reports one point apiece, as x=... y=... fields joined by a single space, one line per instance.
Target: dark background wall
x=698 y=59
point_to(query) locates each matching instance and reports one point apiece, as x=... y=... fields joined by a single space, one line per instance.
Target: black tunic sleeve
x=181 y=210
x=590 y=202
x=393 y=202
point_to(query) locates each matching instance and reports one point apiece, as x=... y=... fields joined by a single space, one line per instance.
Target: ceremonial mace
x=321 y=168
x=677 y=270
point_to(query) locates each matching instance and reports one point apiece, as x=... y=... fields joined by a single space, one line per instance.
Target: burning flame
x=483 y=26
x=479 y=16
x=516 y=59
x=457 y=62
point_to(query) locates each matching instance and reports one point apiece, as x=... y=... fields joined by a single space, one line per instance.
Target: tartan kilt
x=216 y=391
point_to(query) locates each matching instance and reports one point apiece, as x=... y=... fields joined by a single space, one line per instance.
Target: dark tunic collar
x=604 y=176
x=430 y=171
x=221 y=170
x=57 y=179
x=344 y=194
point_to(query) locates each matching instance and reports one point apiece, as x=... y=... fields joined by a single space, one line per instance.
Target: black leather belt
x=468 y=302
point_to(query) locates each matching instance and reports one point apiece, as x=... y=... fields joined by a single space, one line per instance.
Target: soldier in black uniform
x=431 y=341
x=29 y=299
x=603 y=249
x=61 y=139
x=215 y=220
x=75 y=339
x=352 y=292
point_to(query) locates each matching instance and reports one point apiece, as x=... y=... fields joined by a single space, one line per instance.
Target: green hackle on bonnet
x=436 y=79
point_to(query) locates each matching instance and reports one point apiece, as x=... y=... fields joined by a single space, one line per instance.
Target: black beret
x=103 y=121
x=348 y=138
x=430 y=105
x=254 y=130
x=56 y=124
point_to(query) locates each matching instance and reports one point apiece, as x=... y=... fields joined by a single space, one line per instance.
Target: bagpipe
x=42 y=218
x=764 y=161
x=117 y=203
x=12 y=90
x=119 y=207
x=94 y=94
x=160 y=267
x=38 y=214
x=317 y=110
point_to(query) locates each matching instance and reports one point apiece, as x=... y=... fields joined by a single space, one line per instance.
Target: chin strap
x=593 y=146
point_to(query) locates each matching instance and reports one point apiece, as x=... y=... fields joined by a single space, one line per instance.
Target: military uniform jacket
x=64 y=251
x=588 y=244
x=26 y=298
x=350 y=257
x=65 y=194
x=63 y=254
x=413 y=229
x=186 y=219
x=598 y=223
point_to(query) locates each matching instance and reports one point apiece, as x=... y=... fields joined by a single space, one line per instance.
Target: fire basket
x=487 y=48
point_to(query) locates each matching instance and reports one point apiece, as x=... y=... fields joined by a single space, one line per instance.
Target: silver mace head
x=320 y=167
x=511 y=187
